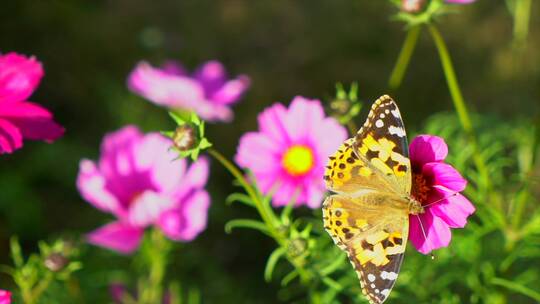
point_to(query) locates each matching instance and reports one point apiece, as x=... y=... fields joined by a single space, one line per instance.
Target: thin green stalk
x=459 y=103
x=404 y=57
x=522 y=16
x=36 y=292
x=267 y=218
x=157 y=262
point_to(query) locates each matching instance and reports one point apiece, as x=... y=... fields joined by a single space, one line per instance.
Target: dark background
x=288 y=48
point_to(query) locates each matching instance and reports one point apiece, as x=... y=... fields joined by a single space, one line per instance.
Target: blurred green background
x=288 y=48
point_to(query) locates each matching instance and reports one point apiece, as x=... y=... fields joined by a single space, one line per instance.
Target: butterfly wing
x=372 y=229
x=382 y=141
x=368 y=217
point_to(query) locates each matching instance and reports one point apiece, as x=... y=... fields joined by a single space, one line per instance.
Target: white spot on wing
x=396 y=113
x=385 y=275
x=385 y=292
x=379 y=123
x=387 y=111
x=371 y=277
x=397 y=131
x=372 y=285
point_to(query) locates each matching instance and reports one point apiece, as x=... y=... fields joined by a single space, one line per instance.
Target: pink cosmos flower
x=5 y=297
x=288 y=153
x=436 y=185
x=19 y=118
x=207 y=91
x=138 y=181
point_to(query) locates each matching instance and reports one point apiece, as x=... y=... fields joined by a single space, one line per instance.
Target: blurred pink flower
x=139 y=182
x=19 y=77
x=288 y=153
x=5 y=297
x=436 y=185
x=208 y=92
x=459 y=1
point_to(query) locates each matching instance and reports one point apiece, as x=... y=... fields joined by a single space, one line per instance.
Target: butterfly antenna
x=440 y=200
x=424 y=234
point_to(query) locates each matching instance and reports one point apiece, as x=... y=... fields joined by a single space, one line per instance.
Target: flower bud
x=55 y=262
x=184 y=138
x=412 y=6
x=297 y=247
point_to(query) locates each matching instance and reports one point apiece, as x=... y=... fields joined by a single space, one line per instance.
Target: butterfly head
x=415 y=207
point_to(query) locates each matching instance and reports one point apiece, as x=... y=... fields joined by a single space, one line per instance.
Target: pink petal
x=326 y=136
x=165 y=89
x=444 y=175
x=437 y=232
x=258 y=153
x=287 y=191
x=454 y=210
x=117 y=236
x=304 y=114
x=10 y=137
x=231 y=91
x=315 y=195
x=34 y=121
x=427 y=148
x=272 y=122
x=195 y=178
x=153 y=153
x=5 y=297
x=19 y=77
x=92 y=186
x=185 y=223
x=211 y=75
x=174 y=68
x=210 y=111
x=118 y=291
x=147 y=207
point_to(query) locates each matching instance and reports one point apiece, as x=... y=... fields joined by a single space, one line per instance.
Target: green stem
x=267 y=218
x=404 y=57
x=157 y=261
x=459 y=103
x=522 y=15
x=36 y=292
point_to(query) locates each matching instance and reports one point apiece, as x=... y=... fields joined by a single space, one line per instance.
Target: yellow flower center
x=297 y=160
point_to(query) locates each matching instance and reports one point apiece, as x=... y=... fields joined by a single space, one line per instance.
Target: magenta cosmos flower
x=5 y=297
x=19 y=77
x=138 y=181
x=436 y=185
x=208 y=92
x=288 y=153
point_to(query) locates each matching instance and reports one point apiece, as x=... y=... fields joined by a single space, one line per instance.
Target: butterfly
x=368 y=214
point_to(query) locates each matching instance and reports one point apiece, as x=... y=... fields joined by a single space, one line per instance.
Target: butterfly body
x=368 y=216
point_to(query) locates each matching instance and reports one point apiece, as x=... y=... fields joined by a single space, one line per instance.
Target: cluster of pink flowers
x=19 y=118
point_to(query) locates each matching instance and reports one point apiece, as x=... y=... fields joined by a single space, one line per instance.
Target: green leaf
x=239 y=197
x=246 y=223
x=517 y=288
x=333 y=266
x=271 y=263
x=332 y=284
x=16 y=252
x=289 y=277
